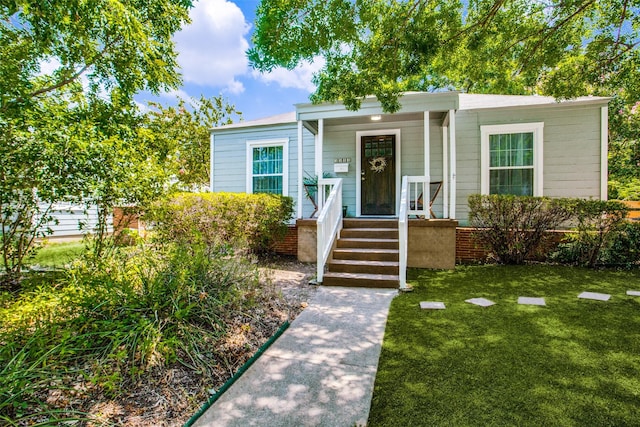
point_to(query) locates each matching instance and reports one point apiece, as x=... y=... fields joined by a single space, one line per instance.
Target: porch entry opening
x=378 y=175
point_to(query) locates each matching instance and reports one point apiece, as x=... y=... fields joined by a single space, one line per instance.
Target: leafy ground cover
x=573 y=362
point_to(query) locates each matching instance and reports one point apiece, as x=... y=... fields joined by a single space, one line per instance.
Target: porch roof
x=418 y=102
x=411 y=102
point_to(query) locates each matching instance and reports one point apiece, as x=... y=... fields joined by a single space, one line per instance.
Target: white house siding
x=340 y=142
x=229 y=158
x=69 y=218
x=467 y=160
x=571 y=149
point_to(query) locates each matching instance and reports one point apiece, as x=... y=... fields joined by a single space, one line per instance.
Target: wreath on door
x=378 y=164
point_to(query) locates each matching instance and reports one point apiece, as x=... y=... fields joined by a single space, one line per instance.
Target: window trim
x=536 y=128
x=259 y=143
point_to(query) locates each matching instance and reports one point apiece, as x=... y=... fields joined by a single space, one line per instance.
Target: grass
x=57 y=254
x=573 y=362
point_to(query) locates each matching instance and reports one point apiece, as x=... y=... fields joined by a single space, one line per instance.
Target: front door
x=378 y=174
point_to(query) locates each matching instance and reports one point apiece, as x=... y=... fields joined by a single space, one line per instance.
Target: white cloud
x=212 y=48
x=234 y=87
x=298 y=78
x=173 y=94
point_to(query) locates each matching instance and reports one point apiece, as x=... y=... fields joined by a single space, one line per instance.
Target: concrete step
x=361 y=280
x=354 y=242
x=369 y=223
x=366 y=254
x=369 y=233
x=364 y=267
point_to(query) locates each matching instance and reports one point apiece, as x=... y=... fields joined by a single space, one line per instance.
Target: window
x=512 y=159
x=267 y=167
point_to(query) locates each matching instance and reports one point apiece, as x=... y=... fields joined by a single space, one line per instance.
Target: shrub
x=513 y=227
x=625 y=246
x=600 y=233
x=252 y=221
x=111 y=320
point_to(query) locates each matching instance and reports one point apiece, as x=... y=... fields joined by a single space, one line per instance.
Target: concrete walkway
x=320 y=372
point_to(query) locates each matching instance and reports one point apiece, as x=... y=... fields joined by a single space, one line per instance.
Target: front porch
x=366 y=251
x=371 y=152
x=388 y=170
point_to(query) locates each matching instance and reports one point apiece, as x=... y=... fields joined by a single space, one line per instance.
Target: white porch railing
x=329 y=220
x=403 y=231
x=418 y=196
x=412 y=202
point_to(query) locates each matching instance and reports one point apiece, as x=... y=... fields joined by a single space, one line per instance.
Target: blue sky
x=213 y=62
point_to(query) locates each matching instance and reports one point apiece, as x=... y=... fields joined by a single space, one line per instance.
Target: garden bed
x=167 y=394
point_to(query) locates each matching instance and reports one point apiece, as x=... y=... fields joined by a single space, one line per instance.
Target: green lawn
x=57 y=254
x=573 y=362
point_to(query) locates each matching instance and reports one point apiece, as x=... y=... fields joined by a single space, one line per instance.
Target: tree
x=624 y=150
x=123 y=44
x=60 y=130
x=381 y=47
x=120 y=164
x=182 y=135
x=36 y=171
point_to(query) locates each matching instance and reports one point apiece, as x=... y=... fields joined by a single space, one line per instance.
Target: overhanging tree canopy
x=123 y=44
x=182 y=135
x=68 y=126
x=381 y=47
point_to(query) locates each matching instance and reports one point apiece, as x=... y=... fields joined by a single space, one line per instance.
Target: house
x=70 y=221
x=386 y=169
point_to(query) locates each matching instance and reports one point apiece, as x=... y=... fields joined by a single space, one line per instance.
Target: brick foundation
x=468 y=249
x=289 y=244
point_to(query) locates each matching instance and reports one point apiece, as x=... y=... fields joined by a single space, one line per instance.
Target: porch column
x=299 y=212
x=452 y=160
x=427 y=147
x=445 y=167
x=318 y=159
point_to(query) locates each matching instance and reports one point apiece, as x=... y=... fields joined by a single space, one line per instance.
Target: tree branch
x=623 y=17
x=59 y=84
x=77 y=74
x=551 y=30
x=482 y=23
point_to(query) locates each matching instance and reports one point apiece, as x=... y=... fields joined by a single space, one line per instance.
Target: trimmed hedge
x=249 y=221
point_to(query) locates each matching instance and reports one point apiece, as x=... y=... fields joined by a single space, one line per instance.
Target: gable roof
x=278 y=119
x=416 y=101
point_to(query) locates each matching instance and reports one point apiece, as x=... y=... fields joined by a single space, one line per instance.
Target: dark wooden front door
x=378 y=174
